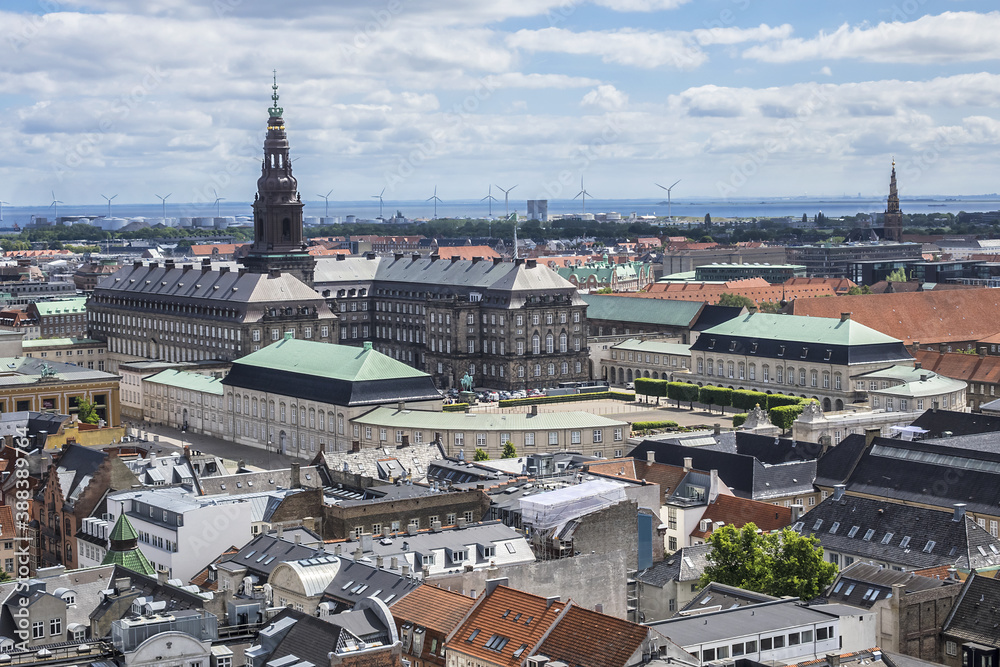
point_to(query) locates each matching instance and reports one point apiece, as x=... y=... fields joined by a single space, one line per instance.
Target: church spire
x=275 y=110
x=893 y=222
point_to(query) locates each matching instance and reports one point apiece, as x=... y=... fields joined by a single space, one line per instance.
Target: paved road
x=171 y=439
x=630 y=412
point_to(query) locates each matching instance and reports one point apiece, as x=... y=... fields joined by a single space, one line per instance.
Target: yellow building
x=36 y=385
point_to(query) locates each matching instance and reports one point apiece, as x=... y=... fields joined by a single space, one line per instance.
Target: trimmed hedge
x=650 y=387
x=777 y=400
x=783 y=416
x=567 y=398
x=683 y=391
x=721 y=396
x=739 y=420
x=647 y=426
x=455 y=407
x=744 y=399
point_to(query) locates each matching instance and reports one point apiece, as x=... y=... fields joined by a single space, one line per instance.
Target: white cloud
x=947 y=37
x=605 y=97
x=825 y=70
x=635 y=48
x=641 y=5
x=763 y=32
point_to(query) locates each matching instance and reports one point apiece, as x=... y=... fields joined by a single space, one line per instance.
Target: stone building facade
x=511 y=325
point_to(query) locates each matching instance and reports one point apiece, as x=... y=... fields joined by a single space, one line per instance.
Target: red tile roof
x=208 y=249
x=433 y=608
x=467 y=252
x=667 y=476
x=735 y=511
x=925 y=317
x=495 y=616
x=757 y=289
x=585 y=637
x=958 y=366
x=6 y=522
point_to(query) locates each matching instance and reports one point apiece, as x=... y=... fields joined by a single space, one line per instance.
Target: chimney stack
x=294 y=481
x=650 y=456
x=871 y=434
x=688 y=463
x=838 y=491
x=717 y=428
x=833 y=659
x=959 y=512
x=844 y=317
x=355 y=446
x=797 y=512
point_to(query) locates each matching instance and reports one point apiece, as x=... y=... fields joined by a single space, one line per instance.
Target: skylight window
x=853 y=531
x=850 y=589
x=887 y=538
x=472 y=637
x=834 y=527
x=929 y=547
x=905 y=542
x=497 y=642
x=869 y=534
x=840 y=584
x=816 y=526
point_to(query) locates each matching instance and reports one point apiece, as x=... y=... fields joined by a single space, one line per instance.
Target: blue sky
x=739 y=98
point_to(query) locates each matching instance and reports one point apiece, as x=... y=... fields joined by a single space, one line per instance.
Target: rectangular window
x=38 y=629
x=553 y=437
x=529 y=439
x=574 y=437
x=55 y=626
x=598 y=436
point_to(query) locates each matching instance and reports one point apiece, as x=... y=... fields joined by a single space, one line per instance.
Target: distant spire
x=275 y=110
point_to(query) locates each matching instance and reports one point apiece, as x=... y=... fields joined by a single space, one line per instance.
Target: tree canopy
x=779 y=564
x=86 y=411
x=736 y=300
x=481 y=455
x=509 y=451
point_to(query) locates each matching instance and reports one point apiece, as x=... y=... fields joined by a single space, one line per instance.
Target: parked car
x=630 y=385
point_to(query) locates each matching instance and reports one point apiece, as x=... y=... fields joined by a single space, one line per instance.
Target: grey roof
x=87 y=583
x=739 y=622
x=912 y=537
x=28 y=370
x=716 y=597
x=459 y=274
x=863 y=584
x=161 y=469
x=416 y=458
x=264 y=480
x=686 y=564
x=975 y=613
x=168 y=282
x=357 y=580
x=75 y=469
x=265 y=552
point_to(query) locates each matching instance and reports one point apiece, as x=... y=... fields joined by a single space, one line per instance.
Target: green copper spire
x=124 y=549
x=275 y=110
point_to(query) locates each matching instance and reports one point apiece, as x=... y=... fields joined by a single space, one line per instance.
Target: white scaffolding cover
x=553 y=508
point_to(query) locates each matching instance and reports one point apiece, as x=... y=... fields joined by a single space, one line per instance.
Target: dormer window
x=753 y=348
x=732 y=346
x=711 y=344
x=805 y=351
x=781 y=350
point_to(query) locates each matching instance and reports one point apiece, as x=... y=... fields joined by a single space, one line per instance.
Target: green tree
x=683 y=391
x=481 y=455
x=748 y=400
x=720 y=396
x=509 y=451
x=86 y=412
x=783 y=416
x=778 y=564
x=604 y=290
x=897 y=276
x=708 y=219
x=736 y=300
x=805 y=219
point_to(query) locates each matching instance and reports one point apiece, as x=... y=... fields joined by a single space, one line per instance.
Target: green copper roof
x=132 y=559
x=654 y=347
x=123 y=530
x=327 y=360
x=77 y=305
x=801 y=329
x=639 y=309
x=188 y=380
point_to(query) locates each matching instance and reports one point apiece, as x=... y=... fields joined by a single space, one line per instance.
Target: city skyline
x=736 y=99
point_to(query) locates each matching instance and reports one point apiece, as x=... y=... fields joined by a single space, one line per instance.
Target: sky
x=734 y=98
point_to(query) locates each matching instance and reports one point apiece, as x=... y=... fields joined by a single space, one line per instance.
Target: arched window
x=254 y=405
x=322 y=420
x=302 y=416
x=549 y=344
x=538 y=370
x=312 y=418
x=836 y=381
x=701 y=365
x=552 y=369
x=340 y=423
x=743 y=372
x=779 y=374
x=753 y=371
x=563 y=342
x=791 y=375
x=729 y=370
x=826 y=380
x=536 y=347
x=765 y=373
x=710 y=364
x=270 y=410
x=802 y=377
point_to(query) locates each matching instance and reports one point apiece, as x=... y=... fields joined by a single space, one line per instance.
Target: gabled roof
x=685 y=564
x=520 y=618
x=925 y=317
x=434 y=608
x=976 y=613
x=585 y=637
x=669 y=477
x=734 y=511
x=716 y=596
x=765 y=326
x=6 y=521
x=863 y=584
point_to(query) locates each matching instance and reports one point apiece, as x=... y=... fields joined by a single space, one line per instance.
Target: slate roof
x=771 y=450
x=863 y=584
x=712 y=315
x=669 y=477
x=495 y=614
x=75 y=468
x=929 y=473
x=585 y=637
x=357 y=580
x=330 y=373
x=936 y=422
x=976 y=612
x=159 y=281
x=87 y=583
x=685 y=564
x=415 y=458
x=310 y=477
x=307 y=638
x=636 y=309
x=836 y=465
x=745 y=475
x=265 y=552
x=904 y=535
x=433 y=608
x=925 y=317
x=716 y=597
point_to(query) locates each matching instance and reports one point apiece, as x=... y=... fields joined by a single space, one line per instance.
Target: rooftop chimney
x=871 y=434
x=845 y=317
x=355 y=446
x=394 y=563
x=294 y=481
x=717 y=428
x=833 y=659
x=838 y=491
x=341 y=257
x=497 y=261
x=406 y=569
x=397 y=255
x=400 y=406
x=688 y=463
x=379 y=562
x=436 y=526
x=650 y=456
x=534 y=410
x=959 y=512
x=952 y=574
x=713 y=485
x=549 y=601
x=797 y=511
x=461 y=522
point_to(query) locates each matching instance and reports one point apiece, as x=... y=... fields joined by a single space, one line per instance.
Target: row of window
x=750 y=647
x=654 y=359
x=743 y=372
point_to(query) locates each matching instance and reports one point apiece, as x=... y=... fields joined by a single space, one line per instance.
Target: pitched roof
x=685 y=564
x=734 y=511
x=905 y=535
x=123 y=530
x=187 y=380
x=925 y=317
x=765 y=326
x=520 y=618
x=434 y=608
x=6 y=521
x=669 y=477
x=584 y=637
x=467 y=252
x=968 y=367
x=61 y=307
x=716 y=596
x=976 y=612
x=863 y=584
x=636 y=309
x=328 y=360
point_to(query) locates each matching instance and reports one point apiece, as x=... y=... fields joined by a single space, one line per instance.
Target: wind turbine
x=109 y=202
x=218 y=206
x=326 y=198
x=490 y=198
x=436 y=200
x=379 y=197
x=583 y=193
x=1 y=208
x=163 y=200
x=55 y=204
x=670 y=216
x=506 y=196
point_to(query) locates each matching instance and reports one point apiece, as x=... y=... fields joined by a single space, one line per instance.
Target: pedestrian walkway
x=165 y=439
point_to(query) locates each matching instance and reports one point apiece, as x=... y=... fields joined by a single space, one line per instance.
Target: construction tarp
x=552 y=508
